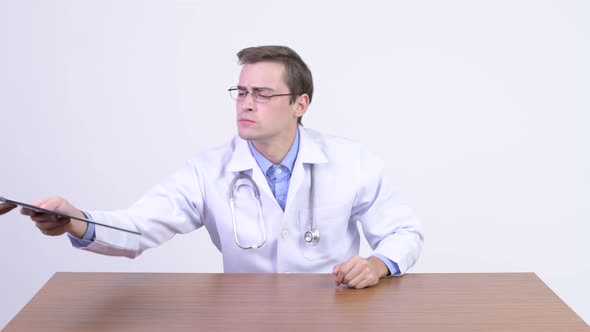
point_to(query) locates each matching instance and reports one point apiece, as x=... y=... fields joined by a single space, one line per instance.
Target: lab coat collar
x=288 y=161
x=241 y=159
x=309 y=152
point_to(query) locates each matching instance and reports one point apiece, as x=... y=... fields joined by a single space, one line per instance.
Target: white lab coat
x=348 y=185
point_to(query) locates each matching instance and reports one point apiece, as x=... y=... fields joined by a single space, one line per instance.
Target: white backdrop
x=480 y=109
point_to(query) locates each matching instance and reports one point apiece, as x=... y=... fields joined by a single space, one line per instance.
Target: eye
x=264 y=95
x=242 y=93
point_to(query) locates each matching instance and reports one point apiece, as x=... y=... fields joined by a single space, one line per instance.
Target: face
x=275 y=120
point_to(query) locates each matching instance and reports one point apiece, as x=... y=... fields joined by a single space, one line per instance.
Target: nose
x=247 y=104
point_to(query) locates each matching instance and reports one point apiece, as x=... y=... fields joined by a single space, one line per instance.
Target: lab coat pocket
x=331 y=224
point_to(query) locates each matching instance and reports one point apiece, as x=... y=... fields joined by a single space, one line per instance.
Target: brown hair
x=297 y=75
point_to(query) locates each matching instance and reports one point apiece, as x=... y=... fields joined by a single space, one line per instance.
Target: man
x=276 y=198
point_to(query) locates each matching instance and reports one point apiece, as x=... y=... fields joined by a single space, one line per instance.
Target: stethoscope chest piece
x=312 y=237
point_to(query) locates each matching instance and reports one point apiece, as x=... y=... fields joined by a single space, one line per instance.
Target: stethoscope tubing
x=311 y=236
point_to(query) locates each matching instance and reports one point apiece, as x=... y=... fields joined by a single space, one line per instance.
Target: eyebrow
x=256 y=88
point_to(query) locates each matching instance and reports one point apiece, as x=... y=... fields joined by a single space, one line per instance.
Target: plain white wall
x=480 y=110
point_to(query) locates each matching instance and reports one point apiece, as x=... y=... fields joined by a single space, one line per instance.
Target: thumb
x=52 y=203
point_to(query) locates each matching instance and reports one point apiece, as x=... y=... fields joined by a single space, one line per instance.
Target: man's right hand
x=54 y=225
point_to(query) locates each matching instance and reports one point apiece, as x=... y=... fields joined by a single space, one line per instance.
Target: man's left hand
x=358 y=272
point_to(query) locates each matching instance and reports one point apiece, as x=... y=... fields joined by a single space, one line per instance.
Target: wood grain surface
x=294 y=302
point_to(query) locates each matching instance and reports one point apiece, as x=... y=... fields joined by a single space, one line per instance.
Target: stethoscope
x=311 y=236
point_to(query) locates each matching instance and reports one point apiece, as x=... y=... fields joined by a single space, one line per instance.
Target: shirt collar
x=288 y=161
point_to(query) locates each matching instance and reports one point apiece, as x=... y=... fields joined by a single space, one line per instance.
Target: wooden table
x=302 y=302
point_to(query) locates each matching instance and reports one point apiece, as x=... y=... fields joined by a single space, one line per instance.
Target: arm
x=173 y=206
x=389 y=225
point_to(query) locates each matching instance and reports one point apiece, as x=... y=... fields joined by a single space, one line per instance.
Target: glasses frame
x=255 y=95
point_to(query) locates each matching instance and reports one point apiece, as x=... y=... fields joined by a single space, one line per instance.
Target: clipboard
x=63 y=215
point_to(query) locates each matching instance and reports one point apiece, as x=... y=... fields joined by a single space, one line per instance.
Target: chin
x=247 y=135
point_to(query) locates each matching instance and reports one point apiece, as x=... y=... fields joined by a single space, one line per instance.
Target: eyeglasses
x=259 y=96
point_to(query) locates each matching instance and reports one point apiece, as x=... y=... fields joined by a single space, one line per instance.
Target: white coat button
x=284 y=233
x=279 y=171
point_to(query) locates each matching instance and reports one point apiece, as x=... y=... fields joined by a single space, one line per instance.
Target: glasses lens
x=241 y=94
x=262 y=98
x=237 y=94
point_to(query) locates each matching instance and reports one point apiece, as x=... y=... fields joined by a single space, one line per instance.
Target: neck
x=276 y=149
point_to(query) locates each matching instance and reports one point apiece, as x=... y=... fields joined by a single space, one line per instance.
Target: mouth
x=246 y=121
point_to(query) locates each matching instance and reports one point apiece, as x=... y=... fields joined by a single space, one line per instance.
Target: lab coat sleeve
x=173 y=206
x=389 y=224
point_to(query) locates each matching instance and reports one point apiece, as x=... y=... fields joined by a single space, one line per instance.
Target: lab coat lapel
x=310 y=152
x=243 y=160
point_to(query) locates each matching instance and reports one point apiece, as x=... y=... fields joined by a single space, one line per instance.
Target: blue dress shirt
x=278 y=176
x=88 y=237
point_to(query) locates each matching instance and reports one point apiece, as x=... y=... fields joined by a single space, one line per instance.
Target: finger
x=38 y=202
x=52 y=203
x=335 y=269
x=362 y=281
x=339 y=276
x=342 y=271
x=345 y=268
x=59 y=204
x=27 y=212
x=356 y=270
x=367 y=275
x=30 y=212
x=53 y=231
x=47 y=204
x=49 y=225
x=44 y=217
x=5 y=207
x=355 y=282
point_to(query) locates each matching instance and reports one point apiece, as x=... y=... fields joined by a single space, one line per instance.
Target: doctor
x=276 y=198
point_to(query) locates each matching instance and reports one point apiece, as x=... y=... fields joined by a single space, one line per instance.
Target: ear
x=301 y=104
